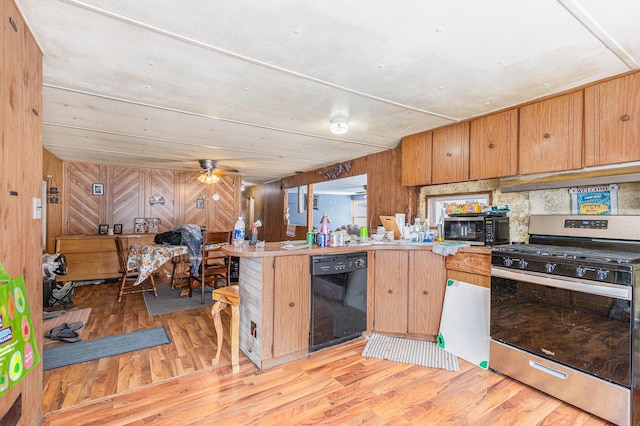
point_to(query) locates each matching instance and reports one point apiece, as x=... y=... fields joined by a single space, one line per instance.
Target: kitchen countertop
x=300 y=247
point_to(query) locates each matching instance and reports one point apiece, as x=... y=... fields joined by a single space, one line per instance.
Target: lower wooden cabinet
x=409 y=291
x=291 y=305
x=92 y=257
x=274 y=309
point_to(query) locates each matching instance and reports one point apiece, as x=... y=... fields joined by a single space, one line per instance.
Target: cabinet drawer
x=80 y=246
x=473 y=263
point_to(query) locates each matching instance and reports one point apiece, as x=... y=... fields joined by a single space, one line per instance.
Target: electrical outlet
x=254 y=329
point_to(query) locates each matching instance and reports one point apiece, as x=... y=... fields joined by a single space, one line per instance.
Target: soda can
x=322 y=240
x=311 y=238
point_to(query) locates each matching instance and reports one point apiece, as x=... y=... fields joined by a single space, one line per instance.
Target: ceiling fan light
x=339 y=126
x=208 y=178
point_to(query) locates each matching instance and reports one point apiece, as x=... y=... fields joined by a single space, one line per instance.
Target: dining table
x=147 y=258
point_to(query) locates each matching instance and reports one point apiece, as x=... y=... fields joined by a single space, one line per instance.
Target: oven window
x=583 y=331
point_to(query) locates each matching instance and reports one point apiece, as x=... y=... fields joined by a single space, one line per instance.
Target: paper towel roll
x=400 y=220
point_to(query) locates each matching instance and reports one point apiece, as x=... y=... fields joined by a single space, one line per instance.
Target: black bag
x=170 y=237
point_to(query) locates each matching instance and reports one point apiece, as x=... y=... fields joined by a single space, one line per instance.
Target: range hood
x=603 y=175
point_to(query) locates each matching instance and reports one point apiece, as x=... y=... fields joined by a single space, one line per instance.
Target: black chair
x=215 y=265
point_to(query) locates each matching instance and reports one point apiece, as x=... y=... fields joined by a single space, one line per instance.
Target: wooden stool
x=224 y=296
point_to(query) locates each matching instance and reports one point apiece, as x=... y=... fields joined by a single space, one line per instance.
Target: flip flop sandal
x=75 y=325
x=54 y=331
x=66 y=335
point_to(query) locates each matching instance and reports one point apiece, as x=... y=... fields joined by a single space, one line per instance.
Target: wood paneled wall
x=385 y=193
x=126 y=196
x=21 y=182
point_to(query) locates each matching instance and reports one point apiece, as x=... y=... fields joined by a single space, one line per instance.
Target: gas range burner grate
x=594 y=256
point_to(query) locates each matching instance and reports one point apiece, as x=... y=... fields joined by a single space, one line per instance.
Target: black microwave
x=480 y=230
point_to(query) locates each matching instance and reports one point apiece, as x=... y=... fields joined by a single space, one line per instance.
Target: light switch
x=37 y=208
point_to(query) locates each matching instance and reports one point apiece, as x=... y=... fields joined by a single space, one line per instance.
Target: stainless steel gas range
x=564 y=316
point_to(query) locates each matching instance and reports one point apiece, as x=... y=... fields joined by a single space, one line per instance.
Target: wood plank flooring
x=176 y=385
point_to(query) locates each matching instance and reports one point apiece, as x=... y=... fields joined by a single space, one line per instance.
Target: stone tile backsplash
x=523 y=204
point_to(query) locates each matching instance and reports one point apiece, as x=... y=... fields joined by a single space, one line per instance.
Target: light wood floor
x=175 y=384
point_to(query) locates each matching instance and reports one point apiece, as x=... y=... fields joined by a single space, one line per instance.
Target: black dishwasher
x=338 y=298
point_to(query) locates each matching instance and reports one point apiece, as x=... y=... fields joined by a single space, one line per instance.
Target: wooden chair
x=215 y=265
x=129 y=277
x=180 y=264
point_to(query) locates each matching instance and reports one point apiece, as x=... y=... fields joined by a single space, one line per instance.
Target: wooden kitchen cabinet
x=612 y=121
x=427 y=283
x=551 y=135
x=493 y=145
x=416 y=159
x=409 y=291
x=92 y=257
x=291 y=305
x=450 y=154
x=391 y=291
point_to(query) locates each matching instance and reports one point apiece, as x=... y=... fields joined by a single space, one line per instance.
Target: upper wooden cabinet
x=416 y=159
x=493 y=145
x=451 y=154
x=551 y=135
x=612 y=121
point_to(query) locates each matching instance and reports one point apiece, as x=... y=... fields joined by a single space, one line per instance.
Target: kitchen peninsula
x=405 y=292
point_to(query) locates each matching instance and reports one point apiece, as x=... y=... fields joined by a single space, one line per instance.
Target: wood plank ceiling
x=254 y=85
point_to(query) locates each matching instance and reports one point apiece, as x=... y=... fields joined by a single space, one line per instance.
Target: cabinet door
x=451 y=154
x=427 y=283
x=416 y=159
x=291 y=305
x=391 y=280
x=551 y=135
x=612 y=121
x=493 y=143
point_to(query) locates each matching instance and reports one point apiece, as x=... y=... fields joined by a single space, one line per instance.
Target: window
x=441 y=206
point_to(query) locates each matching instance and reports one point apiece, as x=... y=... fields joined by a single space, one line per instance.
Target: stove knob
x=522 y=264
x=580 y=271
x=549 y=267
x=602 y=274
x=507 y=261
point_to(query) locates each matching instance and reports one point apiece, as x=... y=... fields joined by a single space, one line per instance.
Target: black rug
x=170 y=301
x=89 y=350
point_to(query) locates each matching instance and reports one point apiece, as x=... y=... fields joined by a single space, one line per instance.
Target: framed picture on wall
x=98 y=189
x=117 y=228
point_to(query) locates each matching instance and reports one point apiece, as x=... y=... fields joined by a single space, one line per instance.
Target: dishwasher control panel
x=337 y=263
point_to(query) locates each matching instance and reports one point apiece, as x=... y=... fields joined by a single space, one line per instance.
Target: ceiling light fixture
x=208 y=178
x=339 y=126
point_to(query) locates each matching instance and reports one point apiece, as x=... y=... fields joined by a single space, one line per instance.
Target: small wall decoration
x=337 y=171
x=594 y=200
x=200 y=203
x=117 y=228
x=156 y=199
x=103 y=229
x=98 y=189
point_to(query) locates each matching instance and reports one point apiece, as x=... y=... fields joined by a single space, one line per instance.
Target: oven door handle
x=600 y=289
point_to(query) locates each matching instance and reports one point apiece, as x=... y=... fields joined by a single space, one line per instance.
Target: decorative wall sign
x=337 y=171
x=594 y=200
x=156 y=199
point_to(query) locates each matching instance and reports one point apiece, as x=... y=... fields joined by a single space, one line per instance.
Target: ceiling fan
x=210 y=172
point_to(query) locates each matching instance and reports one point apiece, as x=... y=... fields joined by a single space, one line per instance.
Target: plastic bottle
x=238 y=232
